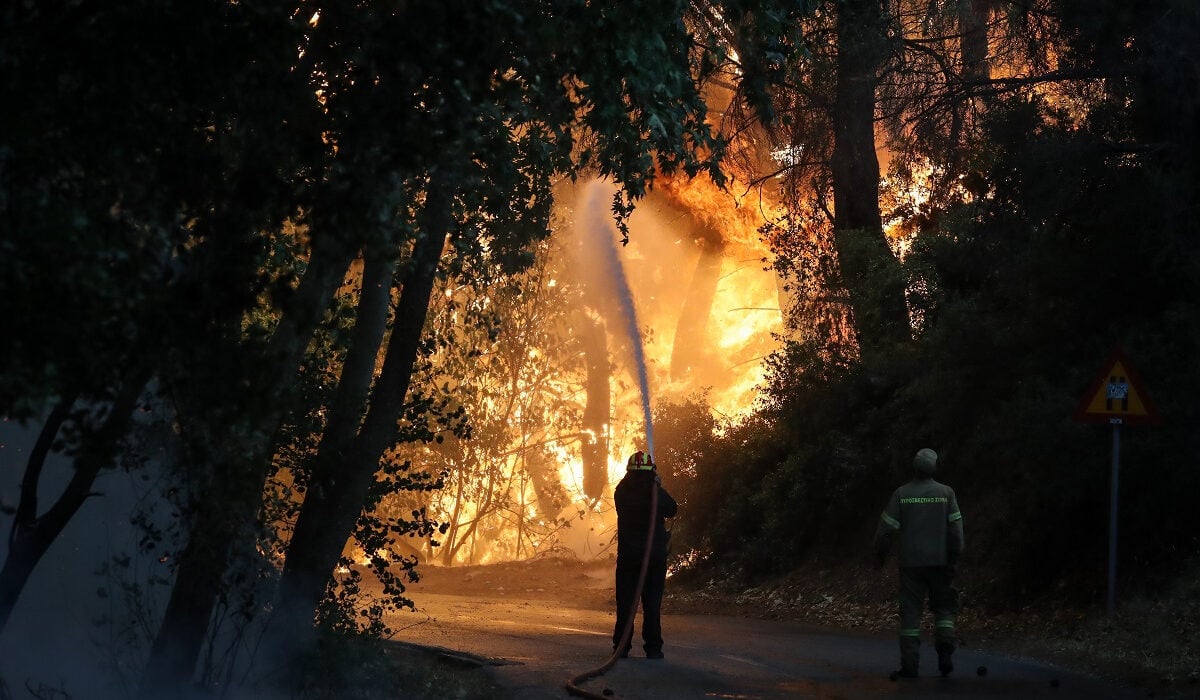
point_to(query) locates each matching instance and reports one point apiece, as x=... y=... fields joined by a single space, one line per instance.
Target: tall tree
x=333 y=117
x=869 y=269
x=576 y=85
x=812 y=80
x=1011 y=273
x=347 y=459
x=510 y=111
x=116 y=213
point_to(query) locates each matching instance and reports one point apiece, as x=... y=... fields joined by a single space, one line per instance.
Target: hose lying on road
x=627 y=634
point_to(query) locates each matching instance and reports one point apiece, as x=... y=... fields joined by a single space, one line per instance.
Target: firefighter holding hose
x=924 y=515
x=633 y=497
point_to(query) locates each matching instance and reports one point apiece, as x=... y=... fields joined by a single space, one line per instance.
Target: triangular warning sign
x=1117 y=395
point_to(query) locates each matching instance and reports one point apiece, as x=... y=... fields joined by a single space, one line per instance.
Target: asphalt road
x=533 y=647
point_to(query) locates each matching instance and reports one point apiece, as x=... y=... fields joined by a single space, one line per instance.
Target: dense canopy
x=314 y=270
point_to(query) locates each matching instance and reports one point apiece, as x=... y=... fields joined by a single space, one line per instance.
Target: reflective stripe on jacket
x=930 y=525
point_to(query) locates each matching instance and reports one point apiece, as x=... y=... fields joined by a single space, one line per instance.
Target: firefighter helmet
x=925 y=462
x=639 y=460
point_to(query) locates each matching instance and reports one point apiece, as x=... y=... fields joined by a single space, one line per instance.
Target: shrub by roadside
x=371 y=669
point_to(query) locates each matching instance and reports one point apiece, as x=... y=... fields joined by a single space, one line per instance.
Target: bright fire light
x=708 y=308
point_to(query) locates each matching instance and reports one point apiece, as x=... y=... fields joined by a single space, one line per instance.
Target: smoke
x=599 y=226
x=76 y=631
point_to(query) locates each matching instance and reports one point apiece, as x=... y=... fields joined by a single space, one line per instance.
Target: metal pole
x=1112 y=517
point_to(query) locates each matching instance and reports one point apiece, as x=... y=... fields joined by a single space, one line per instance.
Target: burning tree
x=385 y=139
x=513 y=369
x=1024 y=144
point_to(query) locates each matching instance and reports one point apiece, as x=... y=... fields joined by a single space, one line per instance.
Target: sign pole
x=1112 y=514
x=1116 y=396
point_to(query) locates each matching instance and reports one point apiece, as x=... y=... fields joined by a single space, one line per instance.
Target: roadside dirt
x=565 y=581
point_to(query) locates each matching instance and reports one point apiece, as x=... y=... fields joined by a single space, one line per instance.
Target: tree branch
x=26 y=514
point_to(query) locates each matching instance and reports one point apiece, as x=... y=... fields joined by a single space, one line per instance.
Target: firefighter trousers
x=628 y=569
x=918 y=584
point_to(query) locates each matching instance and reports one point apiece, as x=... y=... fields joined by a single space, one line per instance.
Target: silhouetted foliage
x=180 y=215
x=1066 y=239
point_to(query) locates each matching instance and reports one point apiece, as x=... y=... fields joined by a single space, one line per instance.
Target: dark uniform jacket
x=632 y=497
x=924 y=513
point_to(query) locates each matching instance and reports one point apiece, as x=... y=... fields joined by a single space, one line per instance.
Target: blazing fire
x=708 y=313
x=699 y=270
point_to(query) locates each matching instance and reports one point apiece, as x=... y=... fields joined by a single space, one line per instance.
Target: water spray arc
x=598 y=227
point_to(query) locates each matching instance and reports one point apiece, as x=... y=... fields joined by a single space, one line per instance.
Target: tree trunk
x=548 y=491
x=869 y=269
x=599 y=405
x=230 y=504
x=354 y=385
x=27 y=542
x=470 y=532
x=973 y=39
x=344 y=476
x=31 y=536
x=451 y=538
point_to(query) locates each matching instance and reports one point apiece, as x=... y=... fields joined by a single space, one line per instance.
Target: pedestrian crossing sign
x=1117 y=396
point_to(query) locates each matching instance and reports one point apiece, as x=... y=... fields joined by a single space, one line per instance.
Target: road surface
x=534 y=643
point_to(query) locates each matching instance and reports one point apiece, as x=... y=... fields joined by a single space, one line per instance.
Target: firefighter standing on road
x=632 y=497
x=925 y=515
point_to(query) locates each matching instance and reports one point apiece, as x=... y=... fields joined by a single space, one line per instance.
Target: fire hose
x=619 y=650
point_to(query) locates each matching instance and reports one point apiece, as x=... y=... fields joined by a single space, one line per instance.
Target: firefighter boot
x=910 y=657
x=945 y=665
